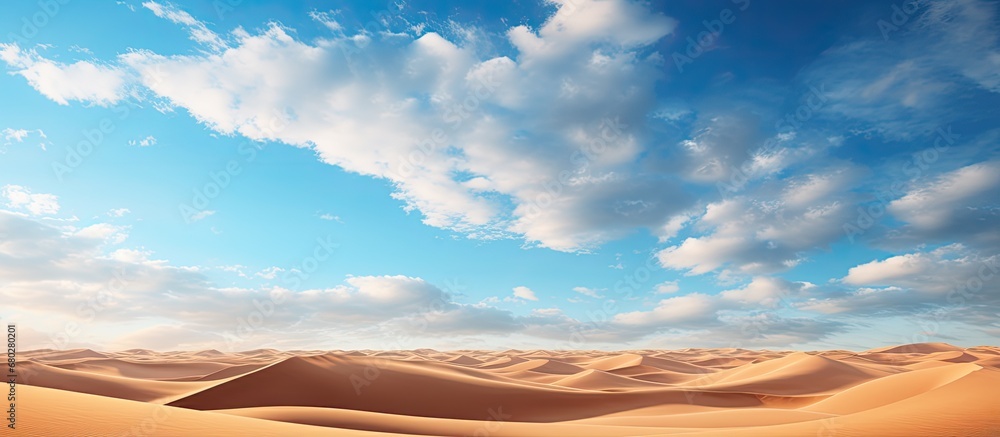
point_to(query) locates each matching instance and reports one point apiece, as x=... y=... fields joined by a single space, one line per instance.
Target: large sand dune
x=920 y=389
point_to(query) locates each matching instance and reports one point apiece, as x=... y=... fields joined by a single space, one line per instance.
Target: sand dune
x=41 y=375
x=53 y=413
x=502 y=362
x=144 y=370
x=553 y=367
x=53 y=355
x=464 y=360
x=894 y=388
x=917 y=348
x=593 y=379
x=794 y=374
x=919 y=389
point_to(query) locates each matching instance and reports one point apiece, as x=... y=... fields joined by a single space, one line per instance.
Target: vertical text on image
x=12 y=375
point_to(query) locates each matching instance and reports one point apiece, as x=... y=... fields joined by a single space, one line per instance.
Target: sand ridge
x=514 y=393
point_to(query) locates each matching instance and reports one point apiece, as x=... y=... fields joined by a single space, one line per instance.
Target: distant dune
x=908 y=390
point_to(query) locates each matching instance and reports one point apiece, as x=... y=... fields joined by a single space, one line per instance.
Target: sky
x=561 y=174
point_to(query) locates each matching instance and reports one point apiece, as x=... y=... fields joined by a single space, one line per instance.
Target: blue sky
x=562 y=174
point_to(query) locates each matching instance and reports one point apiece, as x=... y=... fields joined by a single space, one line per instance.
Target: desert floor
x=913 y=390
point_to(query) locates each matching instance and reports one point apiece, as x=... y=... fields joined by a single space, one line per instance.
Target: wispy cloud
x=19 y=197
x=524 y=293
x=199 y=32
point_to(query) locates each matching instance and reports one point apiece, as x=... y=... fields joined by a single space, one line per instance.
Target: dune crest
x=899 y=390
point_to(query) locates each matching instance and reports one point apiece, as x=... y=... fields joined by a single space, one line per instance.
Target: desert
x=528 y=218
x=915 y=389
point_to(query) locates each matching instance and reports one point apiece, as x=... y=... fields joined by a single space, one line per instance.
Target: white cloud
x=576 y=24
x=587 y=291
x=722 y=143
x=143 y=142
x=81 y=81
x=201 y=215
x=960 y=203
x=11 y=136
x=764 y=291
x=17 y=135
x=118 y=212
x=680 y=309
x=768 y=230
x=547 y=311
x=465 y=149
x=813 y=188
x=134 y=256
x=704 y=254
x=667 y=287
x=49 y=273
x=54 y=272
x=239 y=269
x=905 y=83
x=19 y=197
x=269 y=273
x=199 y=32
x=950 y=282
x=670 y=229
x=524 y=293
x=889 y=269
x=104 y=232
x=331 y=217
x=327 y=20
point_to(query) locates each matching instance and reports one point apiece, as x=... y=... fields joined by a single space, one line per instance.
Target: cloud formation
x=567 y=135
x=464 y=148
x=21 y=198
